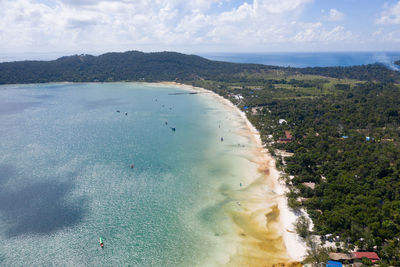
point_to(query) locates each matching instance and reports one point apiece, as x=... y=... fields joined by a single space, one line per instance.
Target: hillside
x=132 y=66
x=167 y=66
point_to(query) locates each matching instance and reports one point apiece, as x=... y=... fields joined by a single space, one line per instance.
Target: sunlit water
x=65 y=176
x=310 y=59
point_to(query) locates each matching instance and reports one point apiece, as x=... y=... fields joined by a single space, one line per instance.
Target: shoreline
x=267 y=180
x=264 y=216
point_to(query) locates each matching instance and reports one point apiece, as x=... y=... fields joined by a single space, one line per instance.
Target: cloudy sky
x=190 y=26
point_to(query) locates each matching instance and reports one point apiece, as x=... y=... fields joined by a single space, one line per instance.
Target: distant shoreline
x=282 y=59
x=309 y=59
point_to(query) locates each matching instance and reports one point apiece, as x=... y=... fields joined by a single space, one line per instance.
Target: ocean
x=66 y=178
x=310 y=59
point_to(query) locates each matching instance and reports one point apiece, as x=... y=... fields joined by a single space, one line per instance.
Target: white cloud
x=383 y=35
x=315 y=32
x=112 y=25
x=390 y=15
x=334 y=15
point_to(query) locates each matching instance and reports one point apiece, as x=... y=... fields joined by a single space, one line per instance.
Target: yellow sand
x=263 y=235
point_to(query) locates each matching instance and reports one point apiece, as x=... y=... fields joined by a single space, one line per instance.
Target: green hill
x=166 y=66
x=132 y=66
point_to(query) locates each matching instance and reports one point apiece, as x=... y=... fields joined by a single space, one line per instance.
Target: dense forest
x=167 y=66
x=342 y=160
x=128 y=66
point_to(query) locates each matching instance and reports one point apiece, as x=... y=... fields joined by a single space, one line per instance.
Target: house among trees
x=369 y=255
x=354 y=258
x=340 y=257
x=309 y=185
x=288 y=138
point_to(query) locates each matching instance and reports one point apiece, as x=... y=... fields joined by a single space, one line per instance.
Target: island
x=334 y=133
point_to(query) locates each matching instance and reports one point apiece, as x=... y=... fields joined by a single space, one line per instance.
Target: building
x=340 y=256
x=334 y=264
x=288 y=138
x=370 y=255
x=309 y=184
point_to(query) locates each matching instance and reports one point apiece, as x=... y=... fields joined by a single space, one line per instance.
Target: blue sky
x=198 y=26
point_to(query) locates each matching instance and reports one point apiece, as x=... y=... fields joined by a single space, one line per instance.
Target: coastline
x=256 y=216
x=269 y=219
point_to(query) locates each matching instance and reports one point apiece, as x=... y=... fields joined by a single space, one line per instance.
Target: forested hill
x=132 y=66
x=166 y=66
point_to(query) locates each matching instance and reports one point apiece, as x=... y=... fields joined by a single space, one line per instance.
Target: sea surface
x=311 y=59
x=284 y=59
x=66 y=178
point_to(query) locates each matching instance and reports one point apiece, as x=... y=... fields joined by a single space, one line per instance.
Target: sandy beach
x=264 y=222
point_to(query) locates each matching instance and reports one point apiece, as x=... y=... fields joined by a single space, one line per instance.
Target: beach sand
x=262 y=218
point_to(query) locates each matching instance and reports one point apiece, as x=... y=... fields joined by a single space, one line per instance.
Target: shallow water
x=65 y=176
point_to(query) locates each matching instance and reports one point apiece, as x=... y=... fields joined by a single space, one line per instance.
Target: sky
x=198 y=26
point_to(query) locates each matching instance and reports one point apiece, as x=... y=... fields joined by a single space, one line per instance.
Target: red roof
x=288 y=135
x=370 y=255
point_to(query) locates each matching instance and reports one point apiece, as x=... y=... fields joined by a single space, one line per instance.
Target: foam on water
x=66 y=181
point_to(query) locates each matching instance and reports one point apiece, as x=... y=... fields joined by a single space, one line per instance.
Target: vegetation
x=128 y=66
x=317 y=255
x=169 y=66
x=345 y=168
x=344 y=122
x=302 y=226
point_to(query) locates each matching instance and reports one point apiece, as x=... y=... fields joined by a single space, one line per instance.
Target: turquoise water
x=65 y=176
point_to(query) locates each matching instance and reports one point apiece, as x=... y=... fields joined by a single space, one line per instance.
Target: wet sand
x=263 y=221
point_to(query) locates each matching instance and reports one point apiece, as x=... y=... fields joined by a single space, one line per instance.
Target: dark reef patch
x=7 y=108
x=40 y=207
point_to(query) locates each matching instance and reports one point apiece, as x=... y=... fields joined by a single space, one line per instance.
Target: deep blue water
x=317 y=59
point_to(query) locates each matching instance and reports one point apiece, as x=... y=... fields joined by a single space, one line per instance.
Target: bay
x=66 y=180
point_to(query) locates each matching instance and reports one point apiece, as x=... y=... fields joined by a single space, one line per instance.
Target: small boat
x=222 y=139
x=166 y=123
x=101 y=243
x=118 y=111
x=173 y=129
x=126 y=113
x=132 y=165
